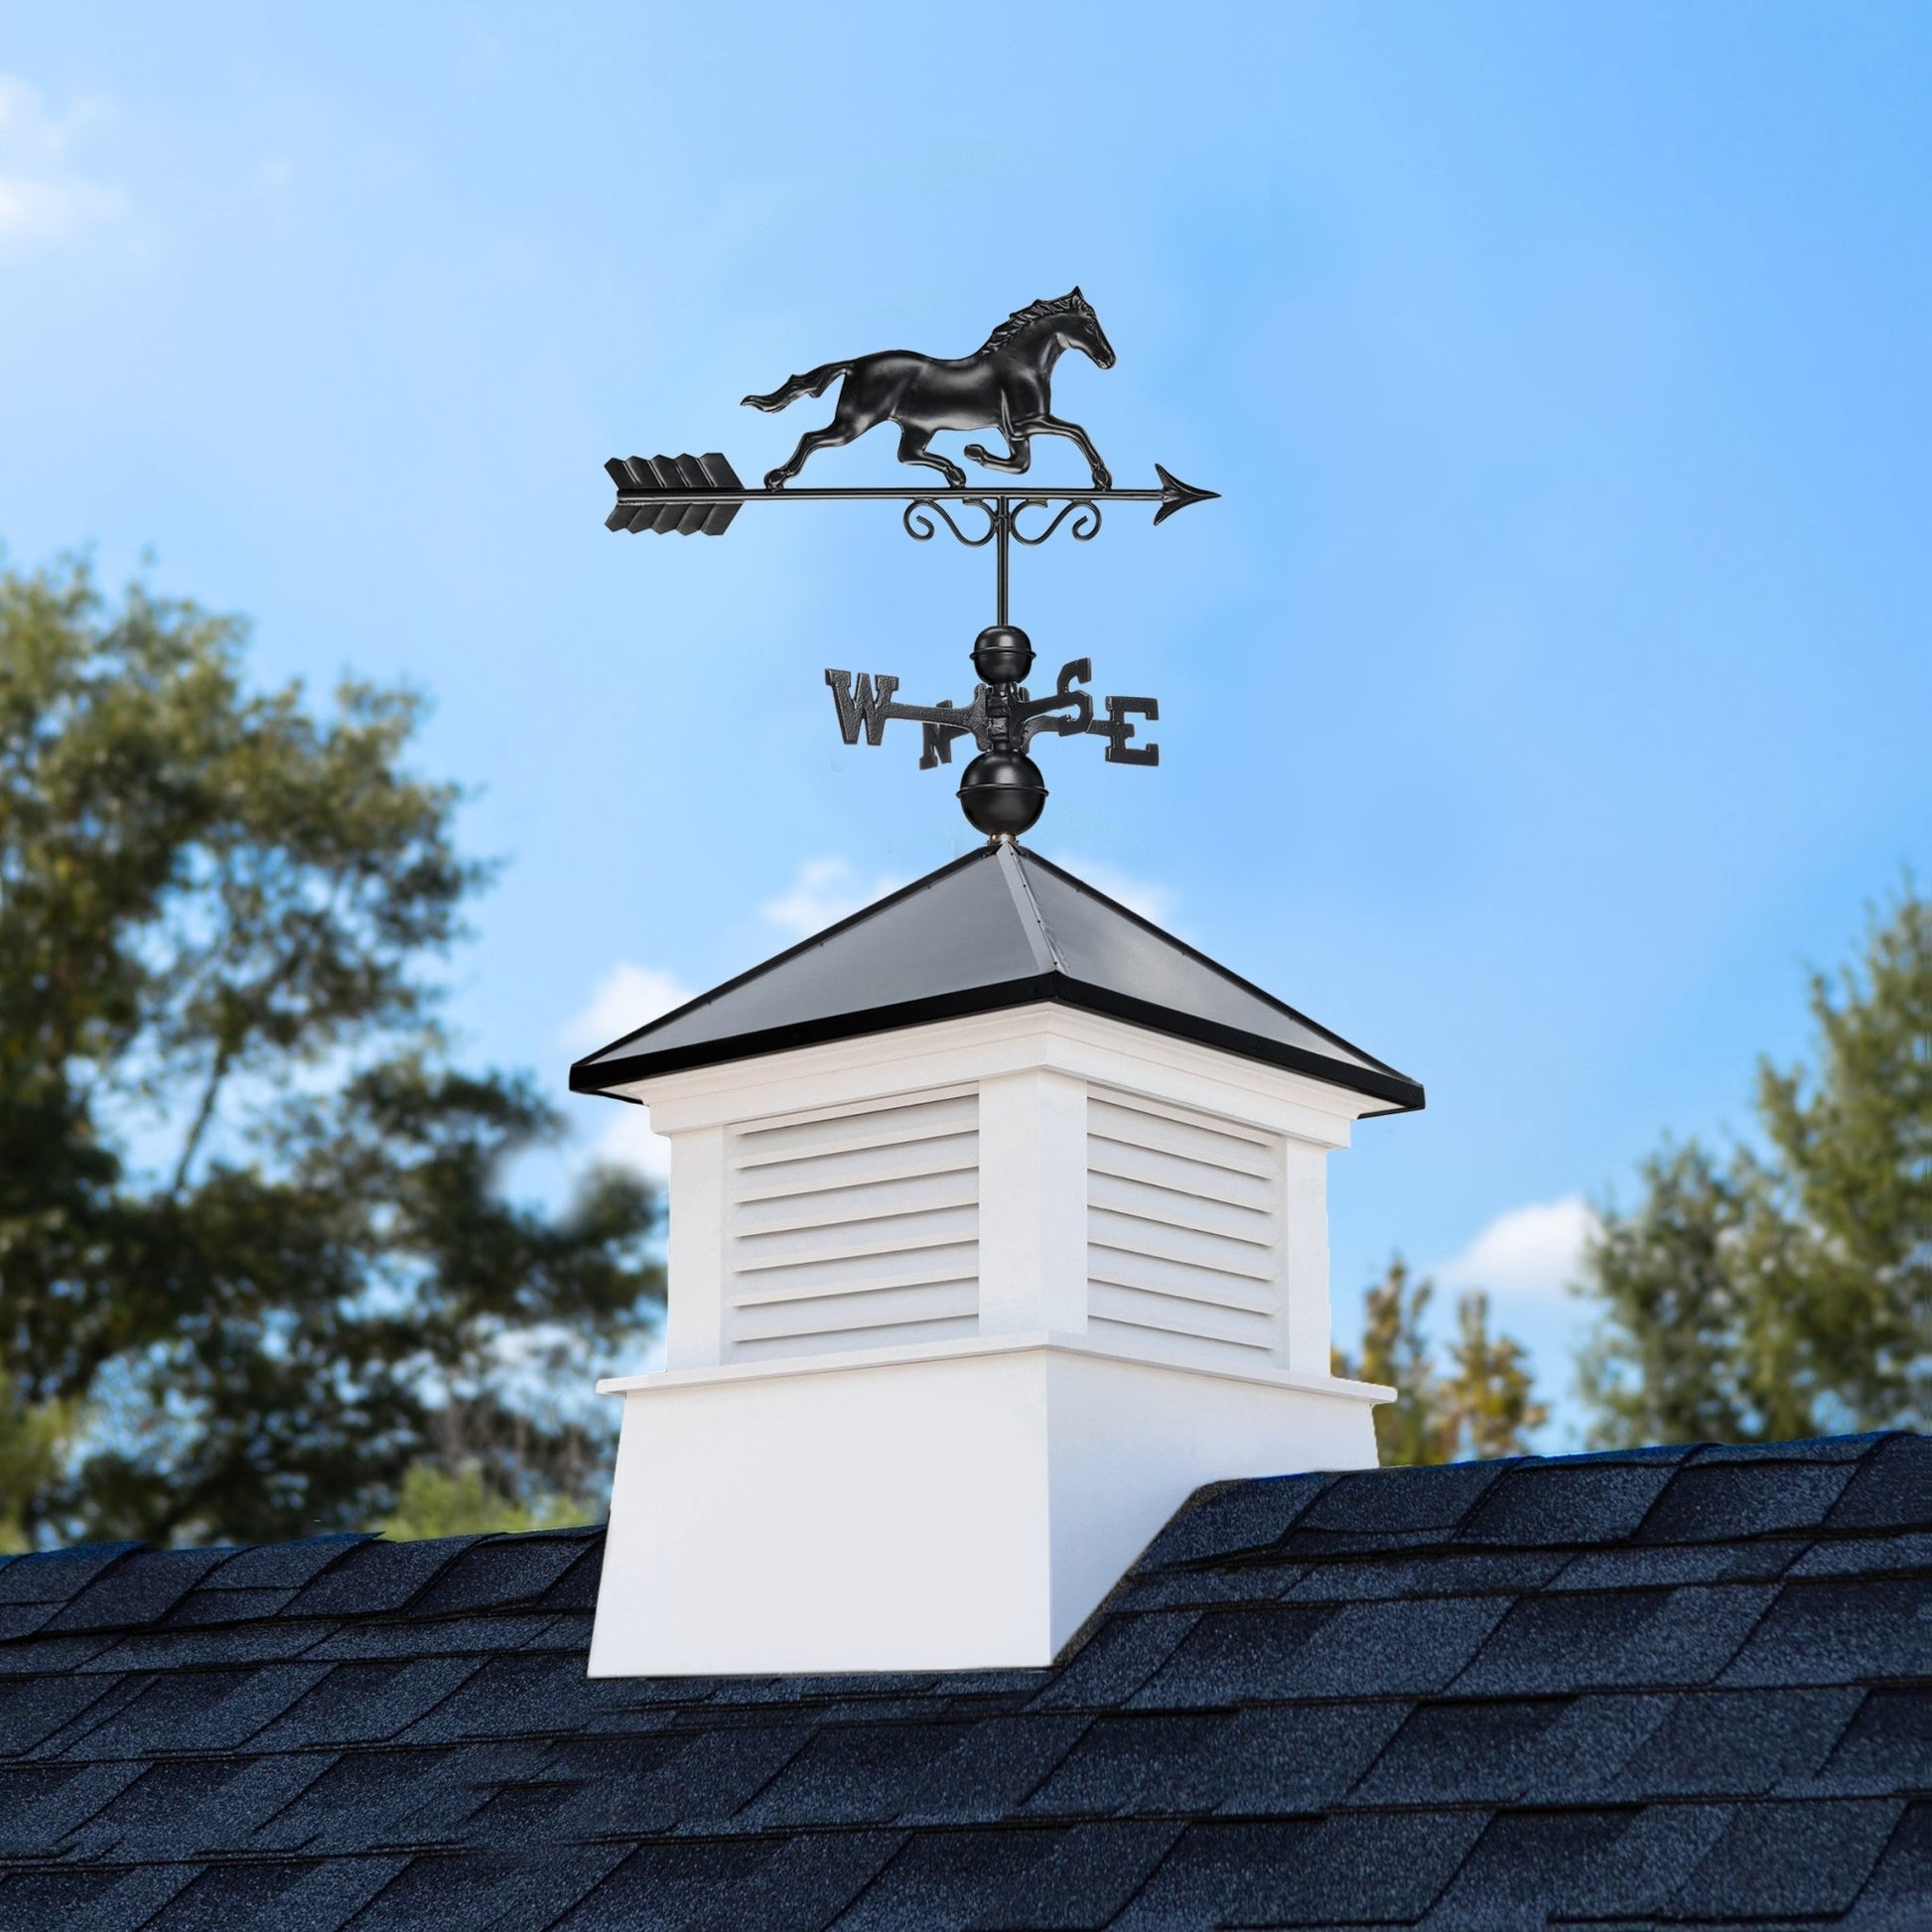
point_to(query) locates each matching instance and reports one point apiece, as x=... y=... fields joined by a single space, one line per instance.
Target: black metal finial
x=1006 y=385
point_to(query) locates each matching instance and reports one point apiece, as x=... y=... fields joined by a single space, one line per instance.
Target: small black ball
x=1003 y=654
x=1003 y=792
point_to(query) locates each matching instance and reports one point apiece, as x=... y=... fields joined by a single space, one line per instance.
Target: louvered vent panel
x=855 y=1230
x=1183 y=1233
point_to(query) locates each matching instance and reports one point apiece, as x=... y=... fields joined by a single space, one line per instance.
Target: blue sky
x=1547 y=689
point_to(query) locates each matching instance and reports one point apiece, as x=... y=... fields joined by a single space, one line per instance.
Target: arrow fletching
x=679 y=489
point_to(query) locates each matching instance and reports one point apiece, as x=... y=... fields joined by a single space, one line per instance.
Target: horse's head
x=1080 y=328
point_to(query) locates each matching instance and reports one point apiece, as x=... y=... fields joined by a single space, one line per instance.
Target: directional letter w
x=870 y=708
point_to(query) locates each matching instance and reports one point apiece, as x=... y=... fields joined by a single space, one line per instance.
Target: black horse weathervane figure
x=1006 y=384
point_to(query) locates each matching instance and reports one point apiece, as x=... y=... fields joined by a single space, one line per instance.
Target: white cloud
x=627 y=1142
x=1535 y=1250
x=41 y=197
x=1140 y=896
x=823 y=892
x=627 y=997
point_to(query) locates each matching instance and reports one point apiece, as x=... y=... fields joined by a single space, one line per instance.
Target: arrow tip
x=1177 y=496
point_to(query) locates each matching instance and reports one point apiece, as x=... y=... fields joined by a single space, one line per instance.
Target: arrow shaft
x=636 y=499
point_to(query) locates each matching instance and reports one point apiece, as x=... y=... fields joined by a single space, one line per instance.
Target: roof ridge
x=1040 y=935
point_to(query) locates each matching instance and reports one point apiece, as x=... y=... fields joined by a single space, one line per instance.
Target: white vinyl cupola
x=998 y=1226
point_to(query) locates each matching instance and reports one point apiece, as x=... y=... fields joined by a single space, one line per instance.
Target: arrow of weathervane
x=698 y=496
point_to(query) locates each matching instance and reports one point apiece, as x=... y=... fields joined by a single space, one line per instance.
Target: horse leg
x=1045 y=425
x=847 y=425
x=1018 y=454
x=912 y=442
x=828 y=438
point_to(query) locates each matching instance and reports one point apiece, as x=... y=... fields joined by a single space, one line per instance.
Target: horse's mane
x=1058 y=305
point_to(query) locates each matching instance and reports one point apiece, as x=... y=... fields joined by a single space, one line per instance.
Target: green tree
x=33 y=1446
x=435 y=1500
x=252 y=1238
x=1761 y=1295
x=1485 y=1406
x=1490 y=1395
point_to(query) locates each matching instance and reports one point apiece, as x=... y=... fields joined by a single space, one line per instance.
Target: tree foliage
x=1778 y=1294
x=253 y=1241
x=1484 y=1404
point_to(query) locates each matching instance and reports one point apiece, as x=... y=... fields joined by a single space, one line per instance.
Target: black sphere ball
x=1003 y=792
x=1002 y=653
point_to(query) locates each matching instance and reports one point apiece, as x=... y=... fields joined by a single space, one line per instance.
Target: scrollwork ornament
x=919 y=515
x=1083 y=529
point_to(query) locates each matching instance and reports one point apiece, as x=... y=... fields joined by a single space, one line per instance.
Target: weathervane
x=1006 y=385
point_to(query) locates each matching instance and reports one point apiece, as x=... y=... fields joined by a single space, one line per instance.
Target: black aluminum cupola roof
x=1001 y=927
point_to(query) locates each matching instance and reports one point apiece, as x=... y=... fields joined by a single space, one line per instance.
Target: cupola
x=998 y=1226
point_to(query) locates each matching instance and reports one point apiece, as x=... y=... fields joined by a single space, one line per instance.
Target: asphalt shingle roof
x=1685 y=1686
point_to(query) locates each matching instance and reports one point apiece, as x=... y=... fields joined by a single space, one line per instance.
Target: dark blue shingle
x=1560 y=1504
x=1892 y=1489
x=224 y=1896
x=1393 y=1502
x=281 y=1566
x=41 y=1804
x=1462 y=1753
x=1656 y=1566
x=1887 y=1747
x=1790 y=1861
x=850 y=1775
x=1866 y=1556
x=1592 y=1641
x=33 y=1709
x=1720 y=1502
x=1124 y=1764
x=1084 y=1884
x=55 y=1577
x=1360 y=1650
x=198 y=1711
x=364 y=1703
x=138 y=1590
x=996 y=1764
x=1115 y=1661
x=1306 y=1873
x=1524 y=1864
x=1841 y=1632
x=101 y=1900
x=499 y=1572
x=523 y=1889
x=371 y=1801
x=327 y=1896
x=193 y=1806
x=1243 y=1518
x=377 y=1577
x=698 y=1780
x=1443 y=1572
x=952 y=1878
x=1296 y=1757
x=1736 y=1743
x=1894 y=1896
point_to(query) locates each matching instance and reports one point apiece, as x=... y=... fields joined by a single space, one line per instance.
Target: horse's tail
x=814 y=382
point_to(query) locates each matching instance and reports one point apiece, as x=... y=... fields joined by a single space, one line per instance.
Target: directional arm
x=866 y=706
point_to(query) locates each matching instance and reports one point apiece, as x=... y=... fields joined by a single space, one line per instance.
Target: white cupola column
x=964 y=1305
